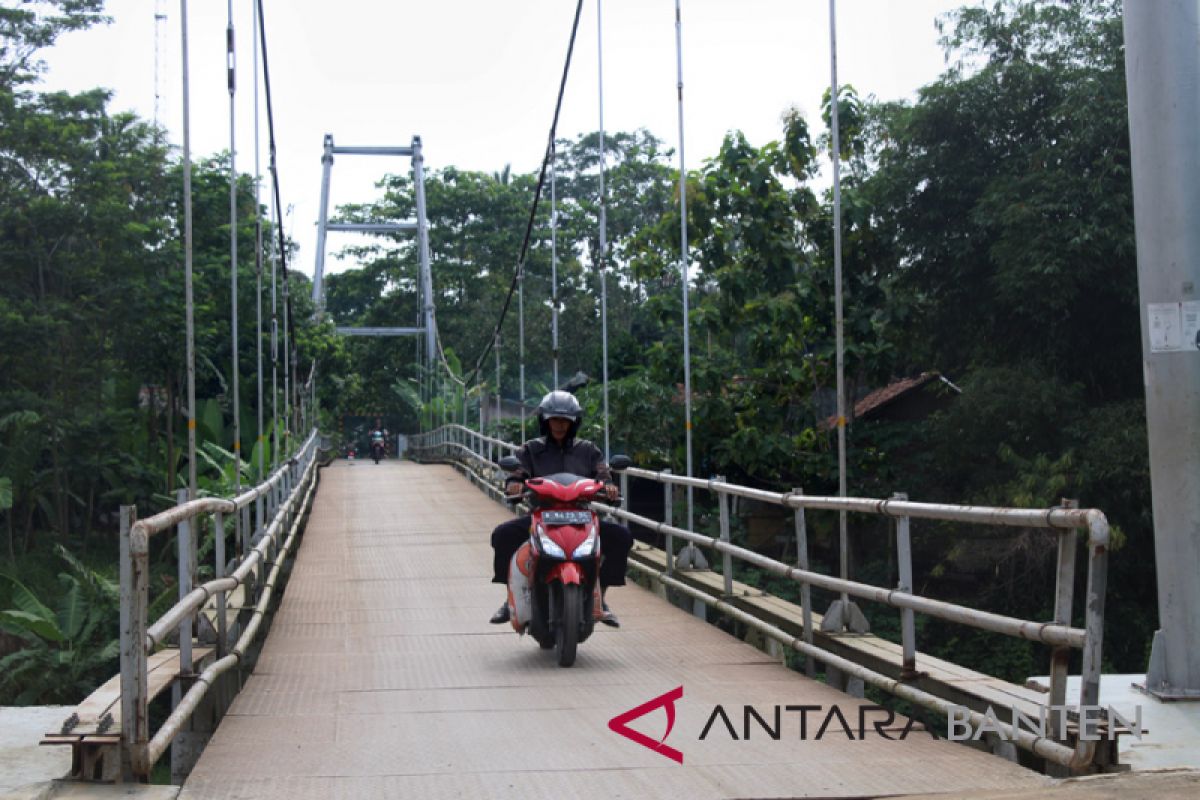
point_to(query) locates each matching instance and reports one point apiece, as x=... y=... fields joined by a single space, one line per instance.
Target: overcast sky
x=477 y=79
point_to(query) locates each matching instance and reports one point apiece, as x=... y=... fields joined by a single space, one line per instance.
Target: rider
x=557 y=450
x=378 y=435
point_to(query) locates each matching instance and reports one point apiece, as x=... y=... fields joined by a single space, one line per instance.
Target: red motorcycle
x=553 y=592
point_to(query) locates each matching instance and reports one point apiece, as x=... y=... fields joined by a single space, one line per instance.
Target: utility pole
x=1162 y=65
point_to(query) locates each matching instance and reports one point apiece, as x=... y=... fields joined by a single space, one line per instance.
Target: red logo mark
x=618 y=724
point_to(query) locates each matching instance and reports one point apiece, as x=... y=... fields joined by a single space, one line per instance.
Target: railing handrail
x=1057 y=517
x=474 y=434
x=170 y=517
x=277 y=502
x=1064 y=520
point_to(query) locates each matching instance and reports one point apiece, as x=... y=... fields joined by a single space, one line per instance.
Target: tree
x=1007 y=192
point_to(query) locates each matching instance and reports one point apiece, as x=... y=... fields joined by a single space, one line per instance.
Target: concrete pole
x=1162 y=63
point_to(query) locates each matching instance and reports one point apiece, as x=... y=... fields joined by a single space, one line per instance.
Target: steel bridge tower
x=420 y=226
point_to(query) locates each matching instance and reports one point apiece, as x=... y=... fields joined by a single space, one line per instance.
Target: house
x=904 y=400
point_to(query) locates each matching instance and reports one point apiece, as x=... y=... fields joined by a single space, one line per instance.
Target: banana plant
x=69 y=647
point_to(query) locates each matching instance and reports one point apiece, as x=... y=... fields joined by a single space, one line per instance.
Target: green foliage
x=33 y=25
x=987 y=233
x=1007 y=190
x=67 y=649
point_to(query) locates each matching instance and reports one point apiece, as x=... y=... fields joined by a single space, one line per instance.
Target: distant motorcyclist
x=378 y=437
x=557 y=450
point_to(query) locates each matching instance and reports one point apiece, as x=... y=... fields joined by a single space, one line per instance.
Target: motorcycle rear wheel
x=566 y=635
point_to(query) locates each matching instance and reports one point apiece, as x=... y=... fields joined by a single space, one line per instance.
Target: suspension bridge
x=381 y=675
x=341 y=645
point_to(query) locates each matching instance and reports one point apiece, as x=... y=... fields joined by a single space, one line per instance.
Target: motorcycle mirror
x=509 y=463
x=619 y=463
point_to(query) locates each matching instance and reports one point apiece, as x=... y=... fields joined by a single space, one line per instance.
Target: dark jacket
x=543 y=456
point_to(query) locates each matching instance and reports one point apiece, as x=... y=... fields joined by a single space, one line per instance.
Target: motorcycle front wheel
x=566 y=634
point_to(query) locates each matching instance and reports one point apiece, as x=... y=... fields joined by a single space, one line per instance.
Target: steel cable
x=536 y=198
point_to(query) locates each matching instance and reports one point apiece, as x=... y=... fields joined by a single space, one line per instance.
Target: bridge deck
x=381 y=677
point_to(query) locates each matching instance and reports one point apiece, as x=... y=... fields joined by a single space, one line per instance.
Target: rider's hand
x=512 y=488
x=612 y=492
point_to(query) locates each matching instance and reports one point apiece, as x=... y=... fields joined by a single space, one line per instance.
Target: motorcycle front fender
x=565 y=572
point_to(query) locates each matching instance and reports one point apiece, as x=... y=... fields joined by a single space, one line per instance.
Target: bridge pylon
x=420 y=226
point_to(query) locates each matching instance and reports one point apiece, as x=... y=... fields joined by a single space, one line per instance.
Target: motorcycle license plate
x=566 y=517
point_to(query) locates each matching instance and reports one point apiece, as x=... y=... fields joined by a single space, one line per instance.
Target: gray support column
x=318 y=295
x=1162 y=64
x=418 y=165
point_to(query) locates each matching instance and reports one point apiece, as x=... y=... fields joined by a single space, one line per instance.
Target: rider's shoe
x=608 y=617
x=501 y=616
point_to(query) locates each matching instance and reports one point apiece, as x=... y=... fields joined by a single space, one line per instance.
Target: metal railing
x=278 y=505
x=477 y=454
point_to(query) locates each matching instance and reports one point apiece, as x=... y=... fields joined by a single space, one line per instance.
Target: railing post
x=135 y=728
x=258 y=526
x=726 y=558
x=624 y=492
x=810 y=666
x=285 y=500
x=1097 y=587
x=1064 y=596
x=184 y=537
x=244 y=534
x=219 y=572
x=908 y=631
x=240 y=520
x=668 y=519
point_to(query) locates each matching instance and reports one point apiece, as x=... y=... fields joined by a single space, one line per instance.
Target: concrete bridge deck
x=382 y=678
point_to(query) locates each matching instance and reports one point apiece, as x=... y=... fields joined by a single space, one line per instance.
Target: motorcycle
x=553 y=591
x=377 y=450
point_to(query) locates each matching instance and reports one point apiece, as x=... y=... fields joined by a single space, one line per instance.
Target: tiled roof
x=885 y=395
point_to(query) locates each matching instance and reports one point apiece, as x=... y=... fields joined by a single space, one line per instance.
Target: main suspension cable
x=536 y=198
x=289 y=318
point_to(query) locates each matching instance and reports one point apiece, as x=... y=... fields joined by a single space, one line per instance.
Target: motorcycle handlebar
x=529 y=496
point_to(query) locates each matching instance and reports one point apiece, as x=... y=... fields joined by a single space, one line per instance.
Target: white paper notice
x=1166 y=334
x=1174 y=327
x=1191 y=325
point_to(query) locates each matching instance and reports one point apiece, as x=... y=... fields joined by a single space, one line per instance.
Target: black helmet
x=559 y=404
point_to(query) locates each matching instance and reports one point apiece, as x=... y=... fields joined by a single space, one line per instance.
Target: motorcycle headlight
x=549 y=546
x=587 y=549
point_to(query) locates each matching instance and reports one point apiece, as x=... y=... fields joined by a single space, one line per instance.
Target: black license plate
x=566 y=517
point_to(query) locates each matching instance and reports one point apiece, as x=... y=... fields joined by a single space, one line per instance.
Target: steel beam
x=373 y=151
x=372 y=227
x=380 y=331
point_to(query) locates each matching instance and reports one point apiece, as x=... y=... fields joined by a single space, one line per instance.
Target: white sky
x=477 y=79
